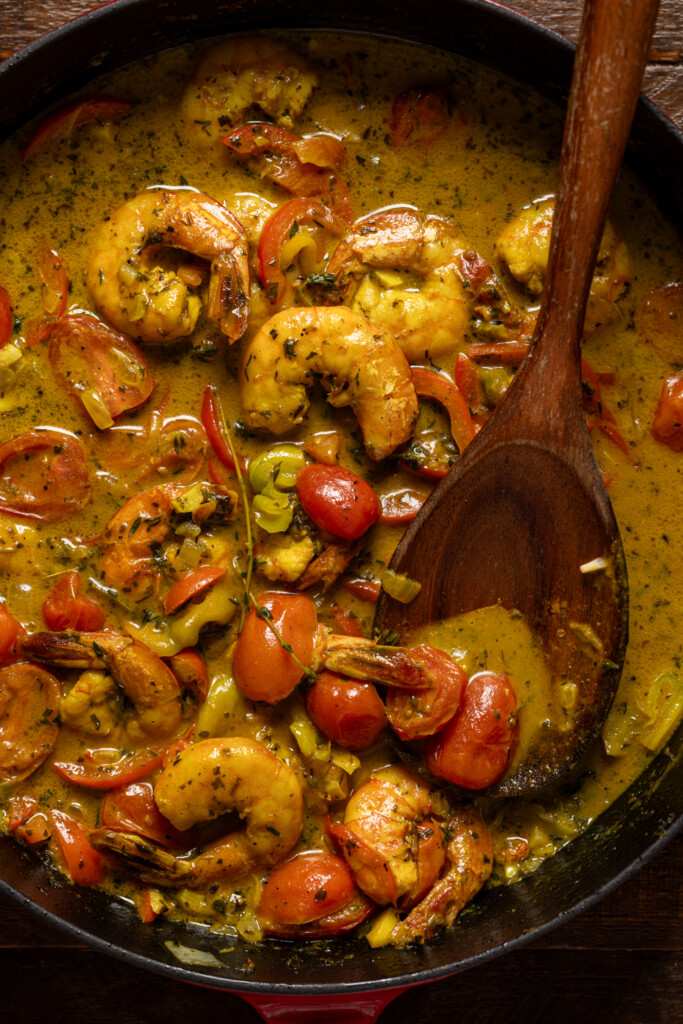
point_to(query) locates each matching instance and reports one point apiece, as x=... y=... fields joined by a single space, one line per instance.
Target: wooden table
x=620 y=963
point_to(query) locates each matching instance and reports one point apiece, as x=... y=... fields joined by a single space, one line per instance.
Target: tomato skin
x=429 y=384
x=667 y=425
x=337 y=500
x=10 y=631
x=192 y=585
x=278 y=229
x=473 y=750
x=212 y=420
x=190 y=670
x=418 y=116
x=66 y=608
x=110 y=776
x=365 y=590
x=6 y=318
x=414 y=716
x=132 y=809
x=27 y=821
x=263 y=669
x=83 y=862
x=348 y=712
x=64 y=121
x=43 y=490
x=81 y=355
x=307 y=887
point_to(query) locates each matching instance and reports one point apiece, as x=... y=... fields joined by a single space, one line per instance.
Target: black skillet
x=349 y=981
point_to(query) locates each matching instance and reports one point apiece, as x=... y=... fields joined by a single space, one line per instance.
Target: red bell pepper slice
x=112 y=775
x=191 y=585
x=366 y=590
x=505 y=353
x=430 y=385
x=281 y=226
x=6 y=317
x=212 y=420
x=64 y=121
x=83 y=862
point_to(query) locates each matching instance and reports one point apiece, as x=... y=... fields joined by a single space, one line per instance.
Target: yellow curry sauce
x=487 y=156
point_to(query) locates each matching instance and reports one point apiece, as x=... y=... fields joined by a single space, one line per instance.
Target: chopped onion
x=399 y=586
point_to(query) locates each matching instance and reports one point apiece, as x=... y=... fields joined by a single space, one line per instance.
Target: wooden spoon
x=524 y=507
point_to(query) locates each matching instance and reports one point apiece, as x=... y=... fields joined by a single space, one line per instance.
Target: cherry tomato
x=64 y=121
x=279 y=227
x=212 y=419
x=93 y=362
x=180 y=450
x=43 y=475
x=190 y=670
x=83 y=862
x=660 y=321
x=10 y=631
x=667 y=425
x=342 y=921
x=337 y=500
x=307 y=887
x=306 y=167
x=263 y=669
x=192 y=585
x=349 y=713
x=413 y=716
x=418 y=116
x=6 y=317
x=473 y=750
x=27 y=821
x=110 y=775
x=66 y=608
x=132 y=809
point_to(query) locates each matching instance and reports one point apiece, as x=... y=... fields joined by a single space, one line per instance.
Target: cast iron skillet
x=629 y=832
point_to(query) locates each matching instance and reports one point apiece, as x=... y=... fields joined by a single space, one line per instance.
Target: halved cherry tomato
x=418 y=116
x=83 y=862
x=346 y=622
x=94 y=362
x=192 y=585
x=416 y=715
x=190 y=670
x=54 y=297
x=10 y=631
x=180 y=450
x=431 y=385
x=660 y=321
x=342 y=921
x=212 y=420
x=337 y=500
x=64 y=121
x=281 y=226
x=43 y=475
x=400 y=505
x=66 y=608
x=366 y=590
x=263 y=669
x=667 y=425
x=132 y=809
x=6 y=317
x=349 y=713
x=27 y=821
x=110 y=775
x=473 y=750
x=306 y=167
x=307 y=887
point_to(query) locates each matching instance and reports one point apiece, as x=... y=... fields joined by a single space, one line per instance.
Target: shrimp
x=242 y=75
x=360 y=365
x=427 y=311
x=151 y=302
x=134 y=536
x=408 y=847
x=29 y=709
x=147 y=682
x=207 y=779
x=524 y=245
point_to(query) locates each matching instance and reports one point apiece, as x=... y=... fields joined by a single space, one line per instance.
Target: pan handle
x=355 y=1008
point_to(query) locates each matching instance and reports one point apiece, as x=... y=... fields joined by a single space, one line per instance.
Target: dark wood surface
x=619 y=963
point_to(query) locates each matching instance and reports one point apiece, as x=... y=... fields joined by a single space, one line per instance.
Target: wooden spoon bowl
x=524 y=508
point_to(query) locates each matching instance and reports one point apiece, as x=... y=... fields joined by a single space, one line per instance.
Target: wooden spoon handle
x=608 y=69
